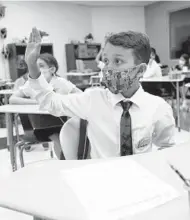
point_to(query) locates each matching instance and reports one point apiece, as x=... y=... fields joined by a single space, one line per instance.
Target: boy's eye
x=106 y=61
x=118 y=61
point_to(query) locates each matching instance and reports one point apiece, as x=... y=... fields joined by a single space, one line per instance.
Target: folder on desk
x=118 y=188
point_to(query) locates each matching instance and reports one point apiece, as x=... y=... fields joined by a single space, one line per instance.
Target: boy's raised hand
x=32 y=52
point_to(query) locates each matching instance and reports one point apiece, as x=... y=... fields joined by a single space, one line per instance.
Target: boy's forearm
x=34 y=72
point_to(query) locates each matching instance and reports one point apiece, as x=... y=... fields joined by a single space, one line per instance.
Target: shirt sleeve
x=164 y=133
x=75 y=104
x=27 y=90
x=64 y=86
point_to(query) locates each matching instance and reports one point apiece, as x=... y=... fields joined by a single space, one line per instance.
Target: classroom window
x=179 y=33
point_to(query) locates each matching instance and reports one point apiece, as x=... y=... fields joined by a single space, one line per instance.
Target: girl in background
x=154 y=55
x=183 y=63
x=48 y=66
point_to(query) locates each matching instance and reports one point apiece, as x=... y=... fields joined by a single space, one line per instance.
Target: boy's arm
x=56 y=104
x=67 y=86
x=32 y=53
x=164 y=133
x=77 y=104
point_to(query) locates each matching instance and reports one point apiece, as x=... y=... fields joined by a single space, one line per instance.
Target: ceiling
x=113 y=3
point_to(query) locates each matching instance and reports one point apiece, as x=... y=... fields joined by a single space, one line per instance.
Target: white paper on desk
x=119 y=188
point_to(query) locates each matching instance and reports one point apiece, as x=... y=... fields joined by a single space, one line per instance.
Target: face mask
x=181 y=62
x=46 y=73
x=121 y=80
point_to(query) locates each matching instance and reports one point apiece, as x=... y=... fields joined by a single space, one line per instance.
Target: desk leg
x=11 y=143
x=178 y=106
x=6 y=119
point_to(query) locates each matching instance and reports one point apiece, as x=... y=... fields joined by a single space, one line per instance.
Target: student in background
x=23 y=76
x=48 y=67
x=154 y=55
x=153 y=69
x=122 y=119
x=183 y=63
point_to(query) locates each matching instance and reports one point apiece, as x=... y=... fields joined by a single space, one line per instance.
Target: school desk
x=16 y=109
x=167 y=79
x=79 y=80
x=186 y=74
x=40 y=191
x=81 y=74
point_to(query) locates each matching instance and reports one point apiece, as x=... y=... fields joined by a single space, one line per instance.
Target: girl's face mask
x=47 y=73
x=121 y=80
x=181 y=62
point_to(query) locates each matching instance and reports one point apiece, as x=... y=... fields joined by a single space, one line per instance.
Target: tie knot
x=126 y=105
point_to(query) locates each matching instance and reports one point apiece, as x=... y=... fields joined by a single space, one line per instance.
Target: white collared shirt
x=152 y=118
x=59 y=85
x=153 y=70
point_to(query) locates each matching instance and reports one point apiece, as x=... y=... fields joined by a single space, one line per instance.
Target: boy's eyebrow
x=119 y=55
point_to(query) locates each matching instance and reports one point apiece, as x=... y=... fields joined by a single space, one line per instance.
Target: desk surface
x=38 y=189
x=6 y=92
x=82 y=74
x=22 y=109
x=162 y=79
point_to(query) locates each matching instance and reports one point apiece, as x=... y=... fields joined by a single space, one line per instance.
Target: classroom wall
x=157 y=26
x=63 y=21
x=116 y=19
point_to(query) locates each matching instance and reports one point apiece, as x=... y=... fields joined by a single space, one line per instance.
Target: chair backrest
x=73 y=139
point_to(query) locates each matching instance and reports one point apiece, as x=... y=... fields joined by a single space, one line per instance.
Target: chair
x=95 y=81
x=31 y=125
x=73 y=139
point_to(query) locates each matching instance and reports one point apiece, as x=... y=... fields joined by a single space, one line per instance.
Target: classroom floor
x=37 y=154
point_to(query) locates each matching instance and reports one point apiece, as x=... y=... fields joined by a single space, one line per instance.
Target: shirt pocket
x=142 y=136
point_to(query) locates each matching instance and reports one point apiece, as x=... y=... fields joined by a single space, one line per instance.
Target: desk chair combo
x=32 y=125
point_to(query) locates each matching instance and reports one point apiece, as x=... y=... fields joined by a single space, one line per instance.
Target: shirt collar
x=137 y=98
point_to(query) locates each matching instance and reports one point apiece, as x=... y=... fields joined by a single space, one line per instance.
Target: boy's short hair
x=50 y=60
x=137 y=41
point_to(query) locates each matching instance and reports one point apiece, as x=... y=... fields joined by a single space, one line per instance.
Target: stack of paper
x=118 y=188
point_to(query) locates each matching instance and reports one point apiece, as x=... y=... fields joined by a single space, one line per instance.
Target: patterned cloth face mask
x=121 y=80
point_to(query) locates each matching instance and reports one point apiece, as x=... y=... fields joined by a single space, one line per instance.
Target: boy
x=114 y=129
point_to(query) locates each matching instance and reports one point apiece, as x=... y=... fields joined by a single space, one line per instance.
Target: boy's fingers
x=37 y=36
x=30 y=38
x=33 y=35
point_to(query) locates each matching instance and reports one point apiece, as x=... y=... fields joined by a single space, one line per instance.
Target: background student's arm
x=164 y=127
x=18 y=98
x=77 y=104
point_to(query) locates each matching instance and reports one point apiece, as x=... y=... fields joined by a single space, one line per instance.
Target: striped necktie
x=125 y=130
